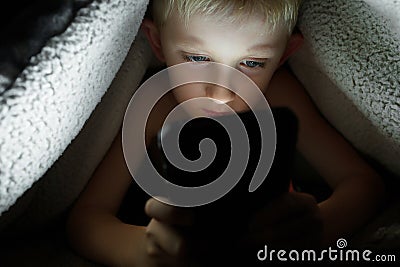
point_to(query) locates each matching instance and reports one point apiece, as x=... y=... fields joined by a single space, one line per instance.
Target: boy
x=254 y=37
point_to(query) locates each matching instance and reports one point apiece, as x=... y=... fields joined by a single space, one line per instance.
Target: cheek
x=171 y=58
x=252 y=95
x=262 y=80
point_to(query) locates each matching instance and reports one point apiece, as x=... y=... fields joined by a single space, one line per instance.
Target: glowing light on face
x=250 y=48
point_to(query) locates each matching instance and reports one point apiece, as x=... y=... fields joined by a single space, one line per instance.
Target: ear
x=153 y=36
x=294 y=43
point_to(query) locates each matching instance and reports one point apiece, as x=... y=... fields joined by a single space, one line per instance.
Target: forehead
x=239 y=19
x=248 y=27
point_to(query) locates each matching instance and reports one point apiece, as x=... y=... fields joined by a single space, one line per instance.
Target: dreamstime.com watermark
x=338 y=254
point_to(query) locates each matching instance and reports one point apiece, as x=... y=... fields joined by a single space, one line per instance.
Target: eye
x=195 y=58
x=252 y=64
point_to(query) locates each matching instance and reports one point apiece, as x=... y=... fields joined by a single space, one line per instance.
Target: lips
x=213 y=113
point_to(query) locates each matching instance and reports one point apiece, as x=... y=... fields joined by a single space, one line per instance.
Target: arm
x=357 y=188
x=96 y=233
x=93 y=228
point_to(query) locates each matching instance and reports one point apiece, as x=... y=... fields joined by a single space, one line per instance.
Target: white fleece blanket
x=350 y=65
x=56 y=93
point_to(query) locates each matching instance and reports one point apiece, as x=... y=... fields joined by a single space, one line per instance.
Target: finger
x=158 y=256
x=169 y=214
x=165 y=237
x=153 y=249
x=298 y=202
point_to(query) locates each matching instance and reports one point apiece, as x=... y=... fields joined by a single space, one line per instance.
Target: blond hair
x=275 y=12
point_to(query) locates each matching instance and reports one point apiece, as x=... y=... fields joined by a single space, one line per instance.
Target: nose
x=219 y=93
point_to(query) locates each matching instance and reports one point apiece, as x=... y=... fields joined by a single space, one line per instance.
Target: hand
x=166 y=241
x=290 y=221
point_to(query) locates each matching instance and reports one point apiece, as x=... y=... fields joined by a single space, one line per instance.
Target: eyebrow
x=191 y=38
x=253 y=48
x=186 y=43
x=260 y=47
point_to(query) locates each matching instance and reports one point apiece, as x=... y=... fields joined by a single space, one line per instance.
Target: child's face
x=246 y=46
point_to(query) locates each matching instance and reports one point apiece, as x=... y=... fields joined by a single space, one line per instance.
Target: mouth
x=213 y=113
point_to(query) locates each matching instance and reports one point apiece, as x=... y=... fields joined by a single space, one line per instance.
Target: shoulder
x=320 y=143
x=286 y=90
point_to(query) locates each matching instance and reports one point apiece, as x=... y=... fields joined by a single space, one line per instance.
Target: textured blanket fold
x=350 y=65
x=25 y=27
x=55 y=94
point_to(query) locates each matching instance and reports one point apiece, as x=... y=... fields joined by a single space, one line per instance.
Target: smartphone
x=219 y=223
x=238 y=203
